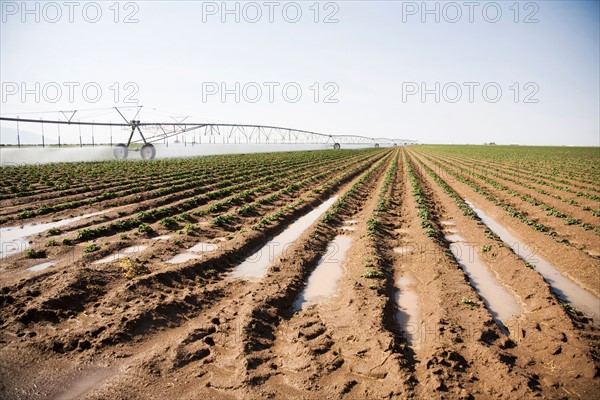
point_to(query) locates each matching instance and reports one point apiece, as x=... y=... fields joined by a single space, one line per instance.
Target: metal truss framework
x=228 y=133
x=204 y=133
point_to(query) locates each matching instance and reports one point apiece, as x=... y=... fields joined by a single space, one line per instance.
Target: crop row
x=198 y=184
x=72 y=178
x=467 y=211
x=510 y=210
x=249 y=208
x=349 y=173
x=375 y=265
x=422 y=209
x=148 y=175
x=529 y=199
x=157 y=214
x=384 y=198
x=502 y=174
x=217 y=190
x=540 y=178
x=563 y=165
x=334 y=209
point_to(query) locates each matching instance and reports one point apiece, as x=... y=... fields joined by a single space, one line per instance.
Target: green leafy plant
x=469 y=302
x=373 y=274
x=91 y=248
x=54 y=231
x=145 y=228
x=32 y=253
x=569 y=308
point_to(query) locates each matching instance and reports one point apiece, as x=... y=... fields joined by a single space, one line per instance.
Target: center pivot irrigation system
x=214 y=133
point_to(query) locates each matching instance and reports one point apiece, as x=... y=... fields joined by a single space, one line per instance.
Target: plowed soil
x=155 y=330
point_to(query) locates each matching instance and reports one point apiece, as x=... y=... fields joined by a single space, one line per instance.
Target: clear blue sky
x=372 y=55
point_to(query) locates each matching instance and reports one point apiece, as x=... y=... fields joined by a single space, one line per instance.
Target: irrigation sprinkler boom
x=214 y=132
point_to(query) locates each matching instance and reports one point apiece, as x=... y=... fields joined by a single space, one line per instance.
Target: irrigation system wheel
x=120 y=151
x=336 y=146
x=376 y=144
x=148 y=151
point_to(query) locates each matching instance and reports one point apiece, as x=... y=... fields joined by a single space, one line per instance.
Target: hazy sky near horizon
x=520 y=72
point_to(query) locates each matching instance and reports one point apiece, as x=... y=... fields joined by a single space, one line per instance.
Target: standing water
x=13 y=238
x=120 y=254
x=502 y=304
x=41 y=267
x=190 y=254
x=407 y=310
x=564 y=288
x=323 y=282
x=255 y=266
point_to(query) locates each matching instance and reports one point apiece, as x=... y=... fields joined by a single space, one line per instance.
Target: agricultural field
x=401 y=272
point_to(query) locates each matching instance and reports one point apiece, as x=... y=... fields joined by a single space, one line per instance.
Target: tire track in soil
x=173 y=290
x=545 y=345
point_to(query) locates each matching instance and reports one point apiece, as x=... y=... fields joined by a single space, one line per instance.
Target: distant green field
x=570 y=162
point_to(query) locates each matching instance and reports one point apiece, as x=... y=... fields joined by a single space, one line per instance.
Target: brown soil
x=542 y=341
x=190 y=330
x=548 y=199
x=571 y=261
x=584 y=240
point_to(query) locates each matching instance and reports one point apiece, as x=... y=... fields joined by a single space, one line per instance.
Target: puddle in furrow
x=403 y=249
x=163 y=237
x=500 y=302
x=256 y=266
x=448 y=223
x=407 y=310
x=564 y=288
x=13 y=238
x=41 y=267
x=120 y=254
x=203 y=247
x=183 y=257
x=190 y=254
x=323 y=282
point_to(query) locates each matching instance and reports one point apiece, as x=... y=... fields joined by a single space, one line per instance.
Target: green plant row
x=169 y=211
x=334 y=209
x=464 y=207
x=529 y=199
x=417 y=193
x=265 y=221
x=502 y=175
x=506 y=207
x=198 y=185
